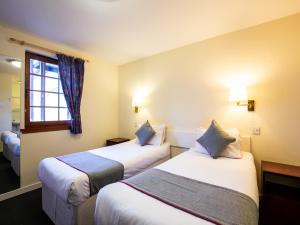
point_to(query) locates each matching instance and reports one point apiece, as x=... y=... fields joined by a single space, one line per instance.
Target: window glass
x=51 y=84
x=35 y=82
x=51 y=99
x=36 y=98
x=60 y=87
x=51 y=70
x=46 y=99
x=51 y=114
x=62 y=100
x=35 y=66
x=64 y=114
x=35 y=114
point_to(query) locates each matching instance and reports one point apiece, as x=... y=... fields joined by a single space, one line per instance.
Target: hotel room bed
x=11 y=149
x=120 y=203
x=5 y=137
x=66 y=192
x=14 y=154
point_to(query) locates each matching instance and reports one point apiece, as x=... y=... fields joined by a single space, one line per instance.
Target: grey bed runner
x=209 y=202
x=101 y=171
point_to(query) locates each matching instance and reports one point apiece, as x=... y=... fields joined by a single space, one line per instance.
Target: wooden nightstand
x=115 y=141
x=280 y=194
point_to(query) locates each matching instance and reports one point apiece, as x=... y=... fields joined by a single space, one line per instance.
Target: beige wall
x=15 y=101
x=99 y=108
x=5 y=104
x=189 y=86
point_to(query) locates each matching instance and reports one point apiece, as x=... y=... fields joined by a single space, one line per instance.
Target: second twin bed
x=191 y=188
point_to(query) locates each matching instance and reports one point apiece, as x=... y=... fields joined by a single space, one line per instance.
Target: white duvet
x=73 y=186
x=120 y=204
x=6 y=135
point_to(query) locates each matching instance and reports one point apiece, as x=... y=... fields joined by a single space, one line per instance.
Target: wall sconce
x=137 y=102
x=239 y=96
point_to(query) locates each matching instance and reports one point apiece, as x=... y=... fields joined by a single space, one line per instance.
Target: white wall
x=189 y=86
x=99 y=108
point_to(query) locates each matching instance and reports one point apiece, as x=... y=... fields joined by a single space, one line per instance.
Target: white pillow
x=159 y=136
x=233 y=150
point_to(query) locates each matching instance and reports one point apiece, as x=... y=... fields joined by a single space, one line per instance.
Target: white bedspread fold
x=73 y=186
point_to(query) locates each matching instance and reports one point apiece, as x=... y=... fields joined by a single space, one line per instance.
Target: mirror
x=10 y=76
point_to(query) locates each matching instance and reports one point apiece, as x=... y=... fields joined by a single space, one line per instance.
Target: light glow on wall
x=238 y=94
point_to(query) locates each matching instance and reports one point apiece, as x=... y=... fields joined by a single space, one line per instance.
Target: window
x=46 y=108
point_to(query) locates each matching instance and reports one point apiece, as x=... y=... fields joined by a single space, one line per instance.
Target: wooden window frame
x=43 y=126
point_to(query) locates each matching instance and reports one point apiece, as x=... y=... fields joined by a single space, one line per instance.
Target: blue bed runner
x=101 y=171
x=215 y=204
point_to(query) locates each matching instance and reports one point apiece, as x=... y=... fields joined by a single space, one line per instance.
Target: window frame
x=39 y=126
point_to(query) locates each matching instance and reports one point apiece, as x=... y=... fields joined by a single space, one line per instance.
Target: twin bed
x=122 y=203
x=191 y=188
x=11 y=149
x=66 y=191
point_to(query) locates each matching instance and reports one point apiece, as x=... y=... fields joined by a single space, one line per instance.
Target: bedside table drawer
x=282 y=180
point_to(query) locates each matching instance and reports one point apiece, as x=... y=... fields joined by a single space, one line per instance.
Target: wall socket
x=256 y=131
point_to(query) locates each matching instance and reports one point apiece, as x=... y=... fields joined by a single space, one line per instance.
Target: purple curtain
x=71 y=72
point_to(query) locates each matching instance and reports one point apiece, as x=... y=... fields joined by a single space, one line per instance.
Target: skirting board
x=20 y=191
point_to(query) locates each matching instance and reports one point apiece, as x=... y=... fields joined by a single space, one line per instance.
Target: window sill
x=45 y=128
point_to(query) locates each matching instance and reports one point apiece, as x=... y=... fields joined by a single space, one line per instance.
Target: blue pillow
x=215 y=140
x=144 y=133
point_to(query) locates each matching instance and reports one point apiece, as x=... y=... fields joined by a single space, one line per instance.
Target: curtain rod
x=24 y=43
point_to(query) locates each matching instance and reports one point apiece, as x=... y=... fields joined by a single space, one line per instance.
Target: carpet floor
x=25 y=209
x=8 y=179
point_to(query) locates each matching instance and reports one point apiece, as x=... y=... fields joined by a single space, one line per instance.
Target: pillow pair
x=218 y=142
x=152 y=136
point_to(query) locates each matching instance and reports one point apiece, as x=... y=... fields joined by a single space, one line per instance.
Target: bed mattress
x=6 y=135
x=5 y=138
x=120 y=204
x=14 y=154
x=72 y=186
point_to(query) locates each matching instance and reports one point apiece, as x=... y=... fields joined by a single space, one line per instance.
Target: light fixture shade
x=238 y=94
x=16 y=63
x=137 y=101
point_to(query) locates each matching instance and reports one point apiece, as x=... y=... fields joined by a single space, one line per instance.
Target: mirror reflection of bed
x=10 y=70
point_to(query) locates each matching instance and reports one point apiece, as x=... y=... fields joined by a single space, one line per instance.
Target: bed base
x=6 y=151
x=63 y=213
x=15 y=164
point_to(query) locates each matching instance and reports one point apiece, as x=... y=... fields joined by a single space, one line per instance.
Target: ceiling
x=126 y=30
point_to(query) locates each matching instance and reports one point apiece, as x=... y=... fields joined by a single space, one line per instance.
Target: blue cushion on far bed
x=144 y=133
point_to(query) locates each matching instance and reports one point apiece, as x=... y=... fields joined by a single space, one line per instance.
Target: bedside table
x=280 y=194
x=115 y=141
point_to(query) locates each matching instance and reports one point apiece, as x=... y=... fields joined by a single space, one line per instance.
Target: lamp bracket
x=136 y=109
x=250 y=104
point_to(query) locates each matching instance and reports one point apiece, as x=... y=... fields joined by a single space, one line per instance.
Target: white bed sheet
x=14 y=153
x=5 y=135
x=73 y=186
x=13 y=145
x=120 y=204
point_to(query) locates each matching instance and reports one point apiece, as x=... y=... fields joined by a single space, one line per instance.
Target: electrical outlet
x=256 y=131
